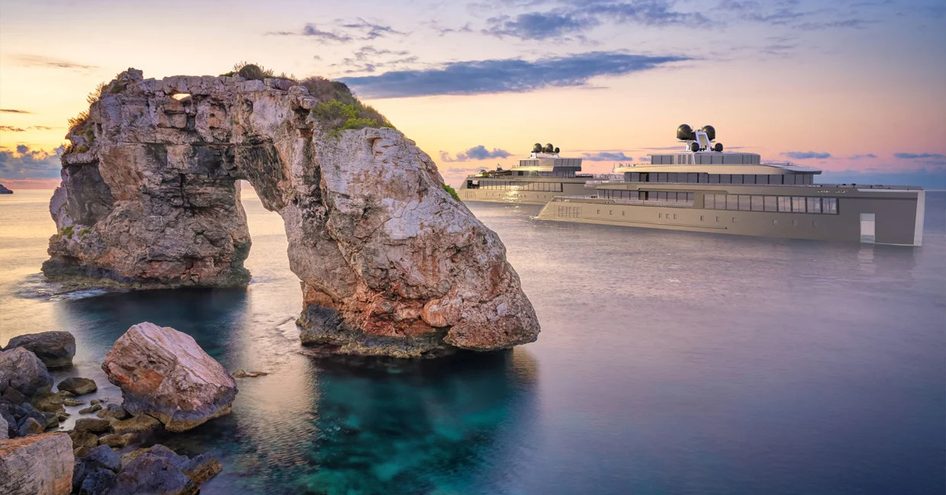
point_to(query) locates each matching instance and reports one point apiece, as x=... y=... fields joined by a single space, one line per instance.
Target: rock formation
x=54 y=349
x=21 y=372
x=37 y=465
x=389 y=262
x=164 y=373
x=4 y=190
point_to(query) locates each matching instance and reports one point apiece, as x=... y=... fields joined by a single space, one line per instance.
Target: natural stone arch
x=390 y=263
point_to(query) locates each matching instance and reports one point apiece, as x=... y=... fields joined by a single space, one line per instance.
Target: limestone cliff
x=389 y=262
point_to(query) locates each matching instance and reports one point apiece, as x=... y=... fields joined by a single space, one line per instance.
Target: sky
x=856 y=88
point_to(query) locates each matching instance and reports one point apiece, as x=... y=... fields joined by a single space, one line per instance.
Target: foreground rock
x=36 y=465
x=164 y=373
x=155 y=470
x=22 y=375
x=55 y=349
x=78 y=385
x=390 y=263
x=4 y=190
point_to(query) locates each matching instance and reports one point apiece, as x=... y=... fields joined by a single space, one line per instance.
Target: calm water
x=669 y=362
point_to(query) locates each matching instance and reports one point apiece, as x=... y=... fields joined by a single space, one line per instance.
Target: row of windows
x=701 y=178
x=706 y=159
x=788 y=204
x=679 y=198
x=506 y=185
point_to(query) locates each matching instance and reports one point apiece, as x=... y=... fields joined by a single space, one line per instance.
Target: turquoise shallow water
x=669 y=362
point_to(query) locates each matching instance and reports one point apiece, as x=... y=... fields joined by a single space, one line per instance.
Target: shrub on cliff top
x=250 y=71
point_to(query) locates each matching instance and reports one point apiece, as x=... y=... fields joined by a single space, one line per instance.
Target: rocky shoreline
x=110 y=449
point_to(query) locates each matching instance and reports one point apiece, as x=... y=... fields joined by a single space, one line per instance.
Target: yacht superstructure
x=535 y=180
x=705 y=189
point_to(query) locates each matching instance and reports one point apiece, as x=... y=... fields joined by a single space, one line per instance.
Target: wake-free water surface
x=669 y=362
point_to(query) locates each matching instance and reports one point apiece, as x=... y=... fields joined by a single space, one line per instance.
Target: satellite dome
x=710 y=132
x=685 y=133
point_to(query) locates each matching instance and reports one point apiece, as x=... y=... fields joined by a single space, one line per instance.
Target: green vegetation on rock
x=452 y=191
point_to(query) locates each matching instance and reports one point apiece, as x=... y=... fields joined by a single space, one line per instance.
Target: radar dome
x=710 y=132
x=685 y=133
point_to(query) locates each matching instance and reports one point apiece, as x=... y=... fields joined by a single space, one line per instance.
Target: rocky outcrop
x=164 y=373
x=4 y=190
x=22 y=374
x=55 y=349
x=36 y=465
x=390 y=263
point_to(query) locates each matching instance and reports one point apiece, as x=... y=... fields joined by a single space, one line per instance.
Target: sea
x=668 y=363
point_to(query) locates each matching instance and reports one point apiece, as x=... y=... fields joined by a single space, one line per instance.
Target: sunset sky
x=856 y=88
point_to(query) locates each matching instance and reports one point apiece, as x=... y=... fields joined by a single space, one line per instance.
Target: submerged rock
x=78 y=385
x=164 y=373
x=390 y=263
x=36 y=465
x=23 y=373
x=55 y=349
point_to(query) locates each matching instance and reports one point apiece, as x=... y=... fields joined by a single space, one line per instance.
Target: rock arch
x=389 y=262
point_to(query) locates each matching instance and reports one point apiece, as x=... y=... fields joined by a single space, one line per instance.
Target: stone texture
x=78 y=385
x=390 y=263
x=36 y=465
x=55 y=349
x=4 y=429
x=164 y=373
x=23 y=372
x=158 y=469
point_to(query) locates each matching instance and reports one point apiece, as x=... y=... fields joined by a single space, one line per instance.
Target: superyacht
x=702 y=188
x=534 y=181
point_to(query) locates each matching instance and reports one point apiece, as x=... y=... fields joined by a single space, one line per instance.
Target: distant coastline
x=4 y=190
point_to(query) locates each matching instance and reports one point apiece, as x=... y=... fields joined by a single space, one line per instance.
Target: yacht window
x=771 y=204
x=757 y=203
x=737 y=178
x=725 y=178
x=714 y=178
x=709 y=201
x=798 y=204
x=693 y=178
x=814 y=205
x=784 y=204
x=748 y=179
x=732 y=202
x=661 y=196
x=830 y=205
x=744 y=203
x=690 y=197
x=635 y=177
x=661 y=177
x=720 y=201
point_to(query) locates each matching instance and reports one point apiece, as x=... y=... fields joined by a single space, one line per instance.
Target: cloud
x=24 y=162
x=581 y=15
x=936 y=157
x=862 y=156
x=608 y=156
x=370 y=59
x=807 y=155
x=646 y=12
x=343 y=31
x=539 y=25
x=10 y=128
x=504 y=75
x=12 y=110
x=478 y=152
x=49 y=62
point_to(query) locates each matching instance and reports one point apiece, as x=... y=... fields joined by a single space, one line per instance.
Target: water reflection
x=374 y=426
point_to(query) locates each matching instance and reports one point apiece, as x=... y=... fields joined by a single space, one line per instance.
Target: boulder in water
x=164 y=373
x=23 y=373
x=54 y=348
